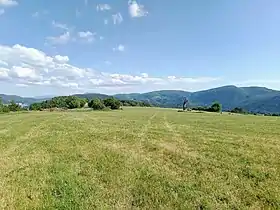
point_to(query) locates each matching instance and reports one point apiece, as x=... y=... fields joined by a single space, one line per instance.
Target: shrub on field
x=96 y=104
x=216 y=107
x=83 y=102
x=112 y=103
x=238 y=110
x=5 y=109
x=35 y=107
x=72 y=102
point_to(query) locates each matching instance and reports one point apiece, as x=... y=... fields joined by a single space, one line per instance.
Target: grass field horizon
x=139 y=158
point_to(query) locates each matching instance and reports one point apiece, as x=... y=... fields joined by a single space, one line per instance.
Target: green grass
x=139 y=158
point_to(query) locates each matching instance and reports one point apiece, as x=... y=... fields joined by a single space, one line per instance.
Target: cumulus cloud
x=2 y=63
x=136 y=10
x=32 y=67
x=119 y=48
x=61 y=59
x=8 y=3
x=103 y=7
x=24 y=73
x=117 y=18
x=4 y=73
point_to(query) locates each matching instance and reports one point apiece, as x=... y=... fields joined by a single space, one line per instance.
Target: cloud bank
x=31 y=67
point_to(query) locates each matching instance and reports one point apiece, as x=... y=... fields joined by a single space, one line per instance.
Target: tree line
x=216 y=107
x=239 y=110
x=64 y=102
x=10 y=107
x=74 y=102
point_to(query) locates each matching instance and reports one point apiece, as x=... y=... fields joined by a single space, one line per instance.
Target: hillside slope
x=7 y=98
x=254 y=99
x=163 y=98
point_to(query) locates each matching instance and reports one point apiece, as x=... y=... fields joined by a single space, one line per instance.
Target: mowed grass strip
x=139 y=158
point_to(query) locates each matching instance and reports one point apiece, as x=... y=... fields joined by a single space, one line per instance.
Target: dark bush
x=72 y=102
x=5 y=109
x=96 y=104
x=238 y=110
x=112 y=103
x=83 y=102
x=216 y=107
x=35 y=106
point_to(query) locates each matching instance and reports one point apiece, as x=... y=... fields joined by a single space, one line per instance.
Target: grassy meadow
x=139 y=158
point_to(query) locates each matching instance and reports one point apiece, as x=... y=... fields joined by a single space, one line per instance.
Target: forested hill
x=254 y=99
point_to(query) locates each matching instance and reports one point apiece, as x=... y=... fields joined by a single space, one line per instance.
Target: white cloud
x=136 y=10
x=4 y=73
x=2 y=11
x=61 y=59
x=117 y=18
x=70 y=35
x=119 y=48
x=23 y=72
x=32 y=67
x=103 y=7
x=87 y=36
x=2 y=63
x=60 y=25
x=8 y=3
x=61 y=39
x=144 y=75
x=21 y=85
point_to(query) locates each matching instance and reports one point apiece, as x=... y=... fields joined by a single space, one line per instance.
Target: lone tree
x=216 y=107
x=185 y=104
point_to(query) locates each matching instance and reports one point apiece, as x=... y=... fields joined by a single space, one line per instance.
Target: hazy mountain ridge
x=255 y=99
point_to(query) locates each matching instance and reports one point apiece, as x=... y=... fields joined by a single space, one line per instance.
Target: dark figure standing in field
x=185 y=103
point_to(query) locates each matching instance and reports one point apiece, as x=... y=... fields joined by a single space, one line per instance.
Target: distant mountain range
x=254 y=99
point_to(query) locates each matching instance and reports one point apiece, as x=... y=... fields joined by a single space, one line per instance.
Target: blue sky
x=108 y=46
